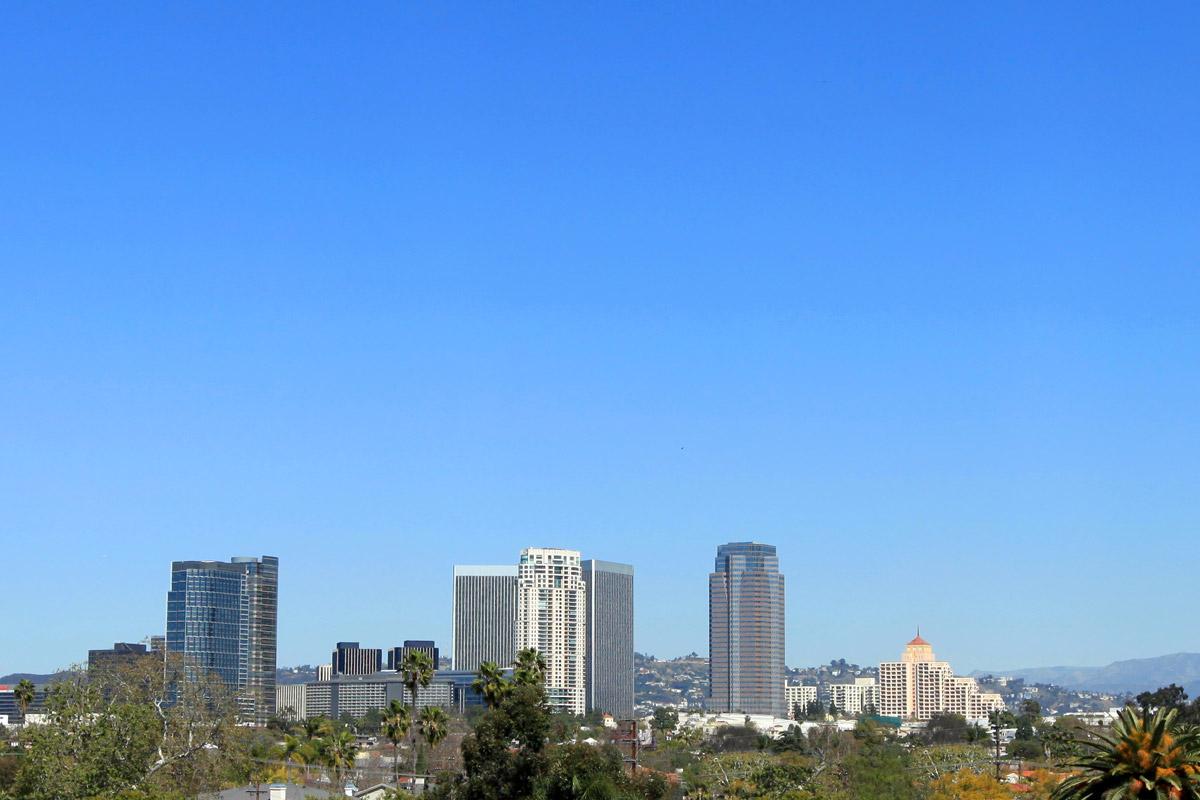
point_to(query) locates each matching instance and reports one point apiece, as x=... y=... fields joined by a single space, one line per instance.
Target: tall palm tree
x=340 y=749
x=396 y=723
x=23 y=693
x=435 y=725
x=490 y=683
x=1142 y=757
x=530 y=667
x=292 y=750
x=416 y=670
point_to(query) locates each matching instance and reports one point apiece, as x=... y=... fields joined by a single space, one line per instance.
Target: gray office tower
x=222 y=617
x=745 y=630
x=609 y=653
x=485 y=616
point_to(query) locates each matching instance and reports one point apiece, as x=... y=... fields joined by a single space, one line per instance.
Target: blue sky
x=910 y=292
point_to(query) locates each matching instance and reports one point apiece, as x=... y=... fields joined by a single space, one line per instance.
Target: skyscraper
x=222 y=617
x=485 y=616
x=349 y=658
x=745 y=630
x=429 y=647
x=609 y=665
x=551 y=609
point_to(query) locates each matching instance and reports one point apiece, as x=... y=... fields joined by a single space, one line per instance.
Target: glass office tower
x=222 y=618
x=745 y=630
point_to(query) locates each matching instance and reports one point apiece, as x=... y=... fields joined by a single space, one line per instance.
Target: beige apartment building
x=796 y=695
x=851 y=699
x=551 y=617
x=918 y=686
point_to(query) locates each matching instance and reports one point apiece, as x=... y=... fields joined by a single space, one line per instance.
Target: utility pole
x=995 y=720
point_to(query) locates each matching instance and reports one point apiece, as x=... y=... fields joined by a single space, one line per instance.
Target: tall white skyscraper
x=551 y=617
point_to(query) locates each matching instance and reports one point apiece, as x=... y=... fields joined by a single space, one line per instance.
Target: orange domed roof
x=918 y=641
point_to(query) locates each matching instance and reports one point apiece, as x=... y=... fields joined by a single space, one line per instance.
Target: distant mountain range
x=32 y=677
x=1134 y=675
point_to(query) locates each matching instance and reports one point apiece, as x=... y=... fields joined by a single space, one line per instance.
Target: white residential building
x=796 y=695
x=551 y=618
x=852 y=699
x=918 y=686
x=290 y=701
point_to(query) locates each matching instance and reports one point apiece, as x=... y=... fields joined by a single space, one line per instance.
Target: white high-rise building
x=852 y=699
x=551 y=618
x=797 y=696
x=918 y=686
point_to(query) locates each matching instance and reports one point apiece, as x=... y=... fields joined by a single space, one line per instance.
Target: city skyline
x=386 y=290
x=961 y=654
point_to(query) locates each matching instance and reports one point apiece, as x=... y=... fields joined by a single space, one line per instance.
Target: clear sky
x=908 y=290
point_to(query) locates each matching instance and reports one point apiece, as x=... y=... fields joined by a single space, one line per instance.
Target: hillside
x=1133 y=675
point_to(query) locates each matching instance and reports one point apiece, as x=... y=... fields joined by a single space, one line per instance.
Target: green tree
x=490 y=684
x=878 y=772
x=947 y=729
x=1165 y=697
x=316 y=727
x=24 y=693
x=296 y=751
x=503 y=756
x=416 y=670
x=1143 y=757
x=665 y=720
x=146 y=727
x=435 y=726
x=530 y=668
x=396 y=722
x=340 y=749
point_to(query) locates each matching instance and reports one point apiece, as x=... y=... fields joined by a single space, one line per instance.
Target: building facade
x=396 y=655
x=918 y=687
x=485 y=616
x=746 y=630
x=349 y=658
x=551 y=618
x=222 y=618
x=797 y=697
x=120 y=653
x=858 y=697
x=291 y=701
x=609 y=653
x=357 y=694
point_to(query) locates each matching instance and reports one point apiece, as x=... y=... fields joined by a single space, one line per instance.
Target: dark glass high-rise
x=222 y=618
x=745 y=630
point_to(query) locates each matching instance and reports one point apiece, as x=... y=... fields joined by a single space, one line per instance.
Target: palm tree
x=434 y=725
x=23 y=693
x=490 y=683
x=299 y=751
x=340 y=749
x=530 y=667
x=316 y=727
x=396 y=723
x=417 y=671
x=1142 y=757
